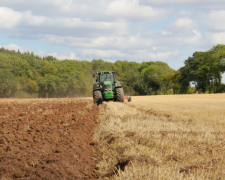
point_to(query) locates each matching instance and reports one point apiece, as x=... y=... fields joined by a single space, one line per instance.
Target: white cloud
x=181 y=26
x=92 y=10
x=196 y=4
x=14 y=47
x=132 y=9
x=63 y=55
x=217 y=38
x=184 y=23
x=187 y=39
x=215 y=20
x=139 y=55
x=26 y=24
x=9 y=18
x=196 y=39
x=112 y=42
x=35 y=20
x=166 y=33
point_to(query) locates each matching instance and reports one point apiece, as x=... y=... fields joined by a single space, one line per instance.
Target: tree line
x=25 y=75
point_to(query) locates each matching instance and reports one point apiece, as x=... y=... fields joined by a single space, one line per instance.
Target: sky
x=133 y=30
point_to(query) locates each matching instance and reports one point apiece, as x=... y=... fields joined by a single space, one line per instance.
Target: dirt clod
x=94 y=143
x=3 y=140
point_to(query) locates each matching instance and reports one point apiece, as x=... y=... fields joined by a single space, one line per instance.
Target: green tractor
x=107 y=88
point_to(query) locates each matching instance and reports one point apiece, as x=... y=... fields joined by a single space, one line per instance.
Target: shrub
x=134 y=93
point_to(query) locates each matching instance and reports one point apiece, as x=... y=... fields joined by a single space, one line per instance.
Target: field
x=152 y=137
x=162 y=137
x=47 y=139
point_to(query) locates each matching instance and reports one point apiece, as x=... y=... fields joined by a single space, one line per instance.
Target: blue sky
x=134 y=30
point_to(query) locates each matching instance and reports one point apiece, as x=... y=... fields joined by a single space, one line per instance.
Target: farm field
x=47 y=139
x=162 y=137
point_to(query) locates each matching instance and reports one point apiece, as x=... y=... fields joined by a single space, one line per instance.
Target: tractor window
x=102 y=78
x=107 y=77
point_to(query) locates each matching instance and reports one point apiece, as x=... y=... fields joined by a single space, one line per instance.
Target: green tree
x=218 y=53
x=8 y=83
x=100 y=65
x=27 y=85
x=202 y=68
x=69 y=76
x=47 y=84
x=155 y=74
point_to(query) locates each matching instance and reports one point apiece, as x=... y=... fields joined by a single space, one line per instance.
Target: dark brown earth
x=47 y=139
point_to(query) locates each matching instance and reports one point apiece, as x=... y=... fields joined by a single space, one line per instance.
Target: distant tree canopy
x=27 y=75
x=205 y=69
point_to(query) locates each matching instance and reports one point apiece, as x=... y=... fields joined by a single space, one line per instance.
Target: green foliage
x=222 y=88
x=26 y=75
x=28 y=85
x=135 y=93
x=100 y=65
x=47 y=84
x=8 y=83
x=205 y=69
x=156 y=73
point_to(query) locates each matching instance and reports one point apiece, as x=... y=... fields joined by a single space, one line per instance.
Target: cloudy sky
x=134 y=30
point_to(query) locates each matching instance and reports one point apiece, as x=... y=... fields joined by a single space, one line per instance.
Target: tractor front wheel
x=119 y=95
x=97 y=95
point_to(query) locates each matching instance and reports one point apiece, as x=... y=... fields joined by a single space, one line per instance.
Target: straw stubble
x=162 y=137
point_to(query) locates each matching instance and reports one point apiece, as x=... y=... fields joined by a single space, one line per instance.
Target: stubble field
x=162 y=137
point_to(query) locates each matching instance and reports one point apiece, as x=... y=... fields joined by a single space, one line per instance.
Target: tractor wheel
x=97 y=95
x=119 y=95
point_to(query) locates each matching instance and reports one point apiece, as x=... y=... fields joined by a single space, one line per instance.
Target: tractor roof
x=105 y=71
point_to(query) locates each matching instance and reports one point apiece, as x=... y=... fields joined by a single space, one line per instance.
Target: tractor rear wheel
x=97 y=95
x=119 y=95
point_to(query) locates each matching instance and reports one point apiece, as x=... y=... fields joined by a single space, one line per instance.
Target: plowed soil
x=47 y=139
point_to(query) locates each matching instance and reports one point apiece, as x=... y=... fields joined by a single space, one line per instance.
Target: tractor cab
x=107 y=77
